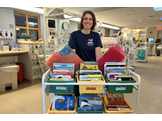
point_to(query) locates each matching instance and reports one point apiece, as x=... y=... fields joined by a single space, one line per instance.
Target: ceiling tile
x=159 y=13
x=145 y=11
x=124 y=11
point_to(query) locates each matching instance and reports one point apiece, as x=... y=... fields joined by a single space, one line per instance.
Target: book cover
x=88 y=67
x=61 y=76
x=63 y=66
x=63 y=73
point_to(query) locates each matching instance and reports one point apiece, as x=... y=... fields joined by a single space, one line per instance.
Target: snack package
x=63 y=103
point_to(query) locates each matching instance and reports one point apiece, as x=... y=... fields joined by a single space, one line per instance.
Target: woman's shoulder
x=75 y=32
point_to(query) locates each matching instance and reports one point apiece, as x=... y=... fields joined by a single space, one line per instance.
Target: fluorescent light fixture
x=17 y=29
x=75 y=19
x=109 y=26
x=32 y=9
x=67 y=16
x=137 y=30
x=157 y=8
x=103 y=25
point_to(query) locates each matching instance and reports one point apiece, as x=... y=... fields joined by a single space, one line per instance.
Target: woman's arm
x=98 y=53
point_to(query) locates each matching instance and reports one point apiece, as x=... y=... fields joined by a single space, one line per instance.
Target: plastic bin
x=125 y=103
x=62 y=112
x=62 y=88
x=90 y=88
x=119 y=88
x=20 y=73
x=102 y=111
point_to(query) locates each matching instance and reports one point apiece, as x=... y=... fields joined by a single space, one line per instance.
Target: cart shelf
x=46 y=74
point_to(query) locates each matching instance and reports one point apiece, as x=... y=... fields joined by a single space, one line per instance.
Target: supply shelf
x=135 y=85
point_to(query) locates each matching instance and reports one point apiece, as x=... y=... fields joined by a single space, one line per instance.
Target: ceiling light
x=109 y=26
x=75 y=19
x=137 y=30
x=157 y=8
x=32 y=9
x=67 y=16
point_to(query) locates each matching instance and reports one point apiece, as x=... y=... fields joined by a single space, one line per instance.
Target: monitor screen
x=143 y=42
x=51 y=23
x=150 y=39
x=143 y=34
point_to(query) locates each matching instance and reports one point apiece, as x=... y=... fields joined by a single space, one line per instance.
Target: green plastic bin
x=62 y=88
x=101 y=111
x=119 y=88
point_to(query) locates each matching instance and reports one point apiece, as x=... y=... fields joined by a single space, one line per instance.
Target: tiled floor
x=28 y=98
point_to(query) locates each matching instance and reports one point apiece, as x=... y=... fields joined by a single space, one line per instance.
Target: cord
x=38 y=59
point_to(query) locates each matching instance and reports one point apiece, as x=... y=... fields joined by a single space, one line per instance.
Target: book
x=88 y=67
x=52 y=79
x=90 y=78
x=63 y=66
x=115 y=70
x=111 y=75
x=89 y=63
x=90 y=71
x=61 y=77
x=62 y=73
x=113 y=64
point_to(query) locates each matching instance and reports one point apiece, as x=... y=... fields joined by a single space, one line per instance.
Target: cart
x=46 y=74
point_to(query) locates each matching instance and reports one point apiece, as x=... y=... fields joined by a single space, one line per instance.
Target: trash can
x=8 y=75
x=20 y=73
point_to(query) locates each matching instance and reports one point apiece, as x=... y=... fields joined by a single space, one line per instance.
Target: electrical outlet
x=2 y=42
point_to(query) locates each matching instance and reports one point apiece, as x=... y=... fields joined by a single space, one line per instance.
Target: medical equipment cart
x=45 y=84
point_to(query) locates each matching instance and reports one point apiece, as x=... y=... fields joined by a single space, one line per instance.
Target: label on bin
x=120 y=88
x=60 y=88
x=90 y=88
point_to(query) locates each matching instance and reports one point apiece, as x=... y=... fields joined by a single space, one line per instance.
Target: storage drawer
x=62 y=112
x=61 y=88
x=90 y=88
x=119 y=88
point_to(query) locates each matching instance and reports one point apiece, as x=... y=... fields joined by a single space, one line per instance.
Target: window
x=27 y=24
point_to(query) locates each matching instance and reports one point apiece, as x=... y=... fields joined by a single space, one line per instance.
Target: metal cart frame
x=46 y=74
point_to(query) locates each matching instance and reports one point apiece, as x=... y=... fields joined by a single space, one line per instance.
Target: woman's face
x=87 y=21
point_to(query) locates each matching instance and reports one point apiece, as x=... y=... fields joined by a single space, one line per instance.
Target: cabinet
x=106 y=32
x=32 y=70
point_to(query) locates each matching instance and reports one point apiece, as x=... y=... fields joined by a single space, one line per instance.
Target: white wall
x=6 y=18
x=152 y=32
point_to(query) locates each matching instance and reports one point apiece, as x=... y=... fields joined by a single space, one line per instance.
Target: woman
x=84 y=42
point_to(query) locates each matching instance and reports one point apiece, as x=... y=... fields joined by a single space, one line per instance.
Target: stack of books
x=113 y=70
x=62 y=72
x=89 y=72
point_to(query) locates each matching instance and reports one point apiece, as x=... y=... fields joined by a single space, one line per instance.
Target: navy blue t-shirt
x=85 y=44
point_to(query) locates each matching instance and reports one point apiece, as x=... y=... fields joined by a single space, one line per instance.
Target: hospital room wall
x=7 y=18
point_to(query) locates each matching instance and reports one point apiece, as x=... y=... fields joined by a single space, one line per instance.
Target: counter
x=13 y=52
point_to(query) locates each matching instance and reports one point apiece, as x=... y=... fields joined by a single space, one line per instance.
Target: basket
x=62 y=112
x=90 y=88
x=125 y=103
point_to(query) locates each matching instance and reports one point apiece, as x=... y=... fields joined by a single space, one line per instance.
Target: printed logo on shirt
x=90 y=42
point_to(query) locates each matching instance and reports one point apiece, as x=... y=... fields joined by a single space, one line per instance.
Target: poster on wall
x=6 y=34
x=10 y=36
x=1 y=34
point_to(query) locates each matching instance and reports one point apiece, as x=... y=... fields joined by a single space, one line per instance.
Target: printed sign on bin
x=61 y=89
